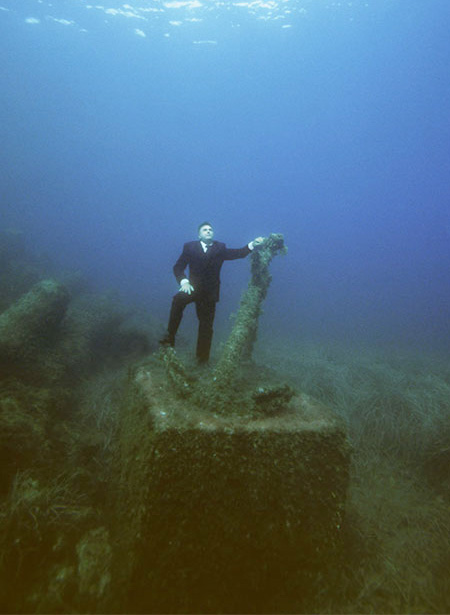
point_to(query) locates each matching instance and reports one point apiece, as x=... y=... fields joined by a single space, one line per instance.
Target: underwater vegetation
x=67 y=354
x=397 y=409
x=59 y=344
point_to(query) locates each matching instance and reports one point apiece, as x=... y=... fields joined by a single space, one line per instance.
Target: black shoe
x=167 y=341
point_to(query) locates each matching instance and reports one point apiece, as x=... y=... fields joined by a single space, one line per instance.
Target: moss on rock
x=32 y=323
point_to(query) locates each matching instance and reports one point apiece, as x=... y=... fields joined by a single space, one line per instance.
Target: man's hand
x=256 y=242
x=186 y=287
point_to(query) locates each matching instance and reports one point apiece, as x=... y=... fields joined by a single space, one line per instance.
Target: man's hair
x=204 y=224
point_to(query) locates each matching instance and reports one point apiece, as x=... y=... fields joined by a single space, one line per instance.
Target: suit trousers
x=206 y=310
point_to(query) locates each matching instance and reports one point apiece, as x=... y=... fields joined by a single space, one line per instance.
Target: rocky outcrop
x=32 y=321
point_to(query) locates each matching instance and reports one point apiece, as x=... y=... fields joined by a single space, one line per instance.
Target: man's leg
x=179 y=302
x=206 y=310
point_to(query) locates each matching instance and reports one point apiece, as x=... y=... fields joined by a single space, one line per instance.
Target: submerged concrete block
x=227 y=514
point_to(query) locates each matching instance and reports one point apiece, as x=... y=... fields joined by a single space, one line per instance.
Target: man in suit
x=204 y=258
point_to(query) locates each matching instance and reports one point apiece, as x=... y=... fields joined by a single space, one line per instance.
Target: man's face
x=206 y=233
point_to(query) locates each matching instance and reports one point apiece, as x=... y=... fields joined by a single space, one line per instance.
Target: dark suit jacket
x=204 y=267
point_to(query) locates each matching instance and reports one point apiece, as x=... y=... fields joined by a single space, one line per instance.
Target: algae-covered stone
x=32 y=321
x=224 y=513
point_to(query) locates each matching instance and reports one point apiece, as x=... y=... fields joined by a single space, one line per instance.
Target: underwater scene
x=225 y=306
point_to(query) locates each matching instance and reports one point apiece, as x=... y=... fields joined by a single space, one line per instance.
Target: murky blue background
x=122 y=128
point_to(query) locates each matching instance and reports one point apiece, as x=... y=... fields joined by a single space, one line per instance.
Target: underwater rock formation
x=32 y=321
x=56 y=428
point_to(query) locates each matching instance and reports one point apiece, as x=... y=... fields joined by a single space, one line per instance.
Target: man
x=205 y=258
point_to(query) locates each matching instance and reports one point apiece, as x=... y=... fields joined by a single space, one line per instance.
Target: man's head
x=205 y=232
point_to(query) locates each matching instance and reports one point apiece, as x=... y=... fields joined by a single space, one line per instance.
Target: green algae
x=244 y=333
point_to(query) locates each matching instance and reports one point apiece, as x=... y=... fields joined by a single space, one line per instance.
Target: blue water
x=122 y=128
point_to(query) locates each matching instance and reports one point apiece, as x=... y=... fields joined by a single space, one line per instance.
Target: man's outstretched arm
x=233 y=253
